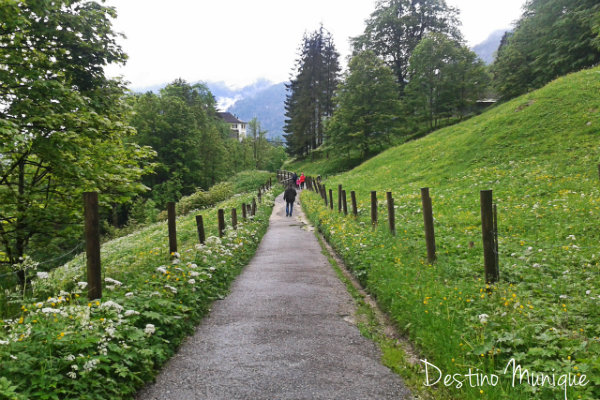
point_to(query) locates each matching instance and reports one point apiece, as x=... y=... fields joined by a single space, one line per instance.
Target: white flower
x=112 y=304
x=212 y=240
x=50 y=310
x=175 y=261
x=82 y=285
x=129 y=294
x=14 y=357
x=563 y=296
x=42 y=275
x=588 y=292
x=70 y=357
x=150 y=329
x=4 y=342
x=570 y=237
x=191 y=281
x=192 y=265
x=194 y=273
x=483 y=318
x=171 y=288
x=536 y=265
x=90 y=365
x=72 y=375
x=113 y=281
x=111 y=331
x=129 y=313
x=162 y=269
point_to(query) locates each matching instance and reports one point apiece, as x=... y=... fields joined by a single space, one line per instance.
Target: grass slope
x=539 y=154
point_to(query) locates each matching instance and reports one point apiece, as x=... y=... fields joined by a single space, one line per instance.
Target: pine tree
x=310 y=92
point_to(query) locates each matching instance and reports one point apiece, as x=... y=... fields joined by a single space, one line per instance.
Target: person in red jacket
x=289 y=196
x=302 y=179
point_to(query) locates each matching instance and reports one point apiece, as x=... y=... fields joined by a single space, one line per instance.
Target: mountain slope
x=539 y=154
x=486 y=50
x=267 y=106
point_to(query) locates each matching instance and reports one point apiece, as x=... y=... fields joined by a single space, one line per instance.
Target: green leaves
x=63 y=125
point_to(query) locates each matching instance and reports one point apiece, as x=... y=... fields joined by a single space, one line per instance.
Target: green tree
x=63 y=124
x=552 y=38
x=396 y=27
x=181 y=124
x=446 y=79
x=259 y=143
x=309 y=99
x=367 y=105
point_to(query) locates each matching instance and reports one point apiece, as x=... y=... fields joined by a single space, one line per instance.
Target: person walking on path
x=302 y=179
x=289 y=196
x=287 y=331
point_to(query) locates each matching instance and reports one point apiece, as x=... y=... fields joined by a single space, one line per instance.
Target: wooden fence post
x=259 y=195
x=324 y=195
x=244 y=216
x=331 y=199
x=391 y=215
x=200 y=227
x=92 y=245
x=339 y=198
x=344 y=203
x=487 y=233
x=221 y=217
x=374 y=208
x=172 y=227
x=353 y=200
x=428 y=221
x=253 y=206
x=234 y=218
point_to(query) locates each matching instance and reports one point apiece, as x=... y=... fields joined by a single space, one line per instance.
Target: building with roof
x=238 y=127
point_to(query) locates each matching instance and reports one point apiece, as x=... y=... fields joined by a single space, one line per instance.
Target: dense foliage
x=63 y=125
x=194 y=146
x=396 y=27
x=310 y=92
x=551 y=39
x=358 y=120
x=446 y=80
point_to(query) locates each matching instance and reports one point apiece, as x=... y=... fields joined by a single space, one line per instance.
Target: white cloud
x=240 y=41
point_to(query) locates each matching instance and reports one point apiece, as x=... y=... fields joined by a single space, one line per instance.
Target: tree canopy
x=310 y=92
x=63 y=124
x=396 y=27
x=367 y=105
x=552 y=38
x=446 y=79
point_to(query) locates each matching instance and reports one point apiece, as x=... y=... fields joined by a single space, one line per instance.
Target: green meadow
x=540 y=155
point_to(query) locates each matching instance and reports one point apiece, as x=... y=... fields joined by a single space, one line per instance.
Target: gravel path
x=284 y=332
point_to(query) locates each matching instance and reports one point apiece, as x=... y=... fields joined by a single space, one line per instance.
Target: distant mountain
x=486 y=50
x=267 y=105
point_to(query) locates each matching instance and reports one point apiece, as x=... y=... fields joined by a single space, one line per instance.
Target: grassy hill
x=539 y=154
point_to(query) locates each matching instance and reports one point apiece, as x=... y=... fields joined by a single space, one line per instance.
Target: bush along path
x=63 y=346
x=284 y=332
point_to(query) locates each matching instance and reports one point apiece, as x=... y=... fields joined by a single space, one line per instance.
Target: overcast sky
x=240 y=41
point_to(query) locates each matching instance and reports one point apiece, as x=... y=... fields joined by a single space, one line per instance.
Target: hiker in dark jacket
x=289 y=196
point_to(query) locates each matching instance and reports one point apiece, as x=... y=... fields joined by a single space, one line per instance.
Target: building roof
x=229 y=118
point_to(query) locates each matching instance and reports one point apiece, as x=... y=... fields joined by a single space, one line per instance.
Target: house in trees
x=238 y=128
